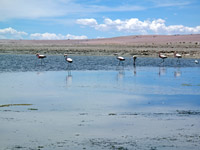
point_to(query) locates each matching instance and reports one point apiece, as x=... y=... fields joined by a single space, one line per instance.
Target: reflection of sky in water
x=122 y=90
x=79 y=101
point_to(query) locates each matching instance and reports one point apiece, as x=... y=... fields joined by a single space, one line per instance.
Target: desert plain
x=143 y=45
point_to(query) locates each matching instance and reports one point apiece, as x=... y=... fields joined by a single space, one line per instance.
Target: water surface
x=23 y=63
x=96 y=103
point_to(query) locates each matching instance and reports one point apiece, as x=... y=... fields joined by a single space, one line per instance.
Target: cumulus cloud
x=136 y=26
x=53 y=36
x=10 y=33
x=87 y=22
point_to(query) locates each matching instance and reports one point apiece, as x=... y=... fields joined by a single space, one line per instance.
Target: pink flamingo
x=120 y=58
x=69 y=60
x=162 y=56
x=176 y=55
x=39 y=56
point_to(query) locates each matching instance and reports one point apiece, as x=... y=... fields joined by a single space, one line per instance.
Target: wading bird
x=120 y=58
x=39 y=56
x=176 y=55
x=69 y=60
x=162 y=56
x=134 y=59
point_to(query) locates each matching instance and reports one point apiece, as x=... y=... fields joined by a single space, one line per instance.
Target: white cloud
x=87 y=22
x=134 y=25
x=10 y=33
x=100 y=37
x=69 y=36
x=53 y=36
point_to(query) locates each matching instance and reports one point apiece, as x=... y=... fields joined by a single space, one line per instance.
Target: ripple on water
x=58 y=63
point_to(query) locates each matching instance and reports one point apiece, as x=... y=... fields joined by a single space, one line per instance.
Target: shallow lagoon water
x=24 y=63
x=97 y=104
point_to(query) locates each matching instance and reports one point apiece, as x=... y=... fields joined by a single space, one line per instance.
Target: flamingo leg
x=134 y=62
x=68 y=66
x=162 y=61
x=178 y=61
x=69 y=73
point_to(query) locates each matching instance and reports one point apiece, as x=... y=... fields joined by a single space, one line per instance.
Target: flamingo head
x=174 y=53
x=134 y=56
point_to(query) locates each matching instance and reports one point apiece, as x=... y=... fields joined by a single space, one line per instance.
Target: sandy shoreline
x=137 y=131
x=145 y=46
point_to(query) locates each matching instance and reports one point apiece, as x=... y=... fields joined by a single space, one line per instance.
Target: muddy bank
x=148 y=46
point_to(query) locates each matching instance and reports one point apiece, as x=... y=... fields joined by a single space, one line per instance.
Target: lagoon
x=95 y=103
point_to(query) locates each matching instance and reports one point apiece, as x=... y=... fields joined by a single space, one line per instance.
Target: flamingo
x=69 y=60
x=40 y=57
x=120 y=58
x=162 y=56
x=177 y=55
x=134 y=59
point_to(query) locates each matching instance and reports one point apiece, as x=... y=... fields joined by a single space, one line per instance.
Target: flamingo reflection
x=177 y=72
x=134 y=70
x=69 y=78
x=162 y=71
x=121 y=73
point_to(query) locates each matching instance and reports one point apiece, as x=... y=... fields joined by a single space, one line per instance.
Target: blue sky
x=82 y=19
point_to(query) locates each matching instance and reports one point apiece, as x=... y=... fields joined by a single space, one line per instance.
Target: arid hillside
x=144 y=45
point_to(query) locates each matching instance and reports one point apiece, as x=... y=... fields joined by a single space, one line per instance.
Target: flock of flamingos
x=120 y=58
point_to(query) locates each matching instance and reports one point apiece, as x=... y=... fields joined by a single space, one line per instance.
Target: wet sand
x=148 y=46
